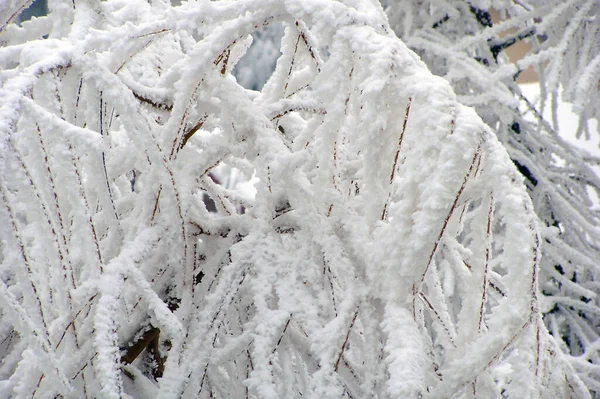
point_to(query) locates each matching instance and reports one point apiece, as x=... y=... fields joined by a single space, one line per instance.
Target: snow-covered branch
x=391 y=249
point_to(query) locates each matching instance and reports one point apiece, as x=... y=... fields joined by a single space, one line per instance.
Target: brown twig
x=337 y=363
x=188 y=135
x=297 y=108
x=154 y=33
x=395 y=165
x=76 y=169
x=282 y=334
x=398 y=148
x=289 y=74
x=62 y=252
x=37 y=386
x=477 y=168
x=224 y=56
x=309 y=47
x=330 y=209
x=176 y=195
x=25 y=256
x=175 y=147
x=142 y=98
x=67 y=265
x=534 y=298
x=226 y=302
x=156 y=203
x=327 y=271
x=269 y=178
x=488 y=250
x=437 y=315
x=450 y=212
x=8 y=338
x=73 y=320
x=249 y=367
x=109 y=189
x=84 y=366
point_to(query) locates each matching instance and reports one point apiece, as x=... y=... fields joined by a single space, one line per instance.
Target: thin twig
x=68 y=274
x=437 y=315
x=337 y=363
x=311 y=48
x=91 y=225
x=487 y=261
x=445 y=225
x=395 y=165
x=109 y=189
x=25 y=256
x=282 y=334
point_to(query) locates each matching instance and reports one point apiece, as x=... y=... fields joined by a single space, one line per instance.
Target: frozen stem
x=337 y=362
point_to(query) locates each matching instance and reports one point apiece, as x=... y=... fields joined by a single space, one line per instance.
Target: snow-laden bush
x=458 y=41
x=391 y=249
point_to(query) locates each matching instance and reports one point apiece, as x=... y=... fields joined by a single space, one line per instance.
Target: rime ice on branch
x=391 y=249
x=459 y=41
